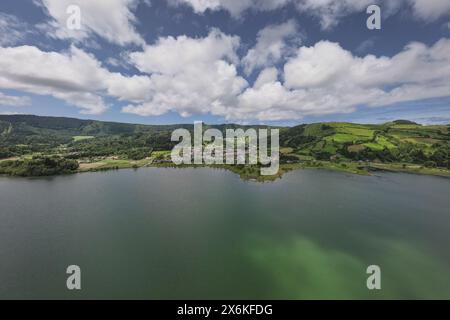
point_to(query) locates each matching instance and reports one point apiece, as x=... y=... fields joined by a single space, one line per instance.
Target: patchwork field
x=31 y=145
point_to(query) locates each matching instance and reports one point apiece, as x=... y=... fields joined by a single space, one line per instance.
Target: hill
x=28 y=134
x=395 y=141
x=102 y=145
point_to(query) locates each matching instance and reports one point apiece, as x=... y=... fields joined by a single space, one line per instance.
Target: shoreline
x=251 y=173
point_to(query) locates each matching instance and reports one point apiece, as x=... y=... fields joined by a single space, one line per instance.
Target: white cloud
x=12 y=30
x=14 y=101
x=200 y=6
x=119 y=61
x=326 y=79
x=268 y=75
x=328 y=12
x=200 y=75
x=10 y=113
x=74 y=76
x=114 y=62
x=365 y=45
x=317 y=66
x=189 y=75
x=318 y=80
x=236 y=8
x=185 y=75
x=327 y=64
x=173 y=55
x=430 y=10
x=270 y=46
x=109 y=19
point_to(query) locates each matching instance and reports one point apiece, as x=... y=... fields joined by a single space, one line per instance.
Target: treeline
x=133 y=147
x=38 y=166
x=399 y=141
x=408 y=153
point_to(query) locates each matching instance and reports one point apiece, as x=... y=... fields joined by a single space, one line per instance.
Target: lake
x=157 y=233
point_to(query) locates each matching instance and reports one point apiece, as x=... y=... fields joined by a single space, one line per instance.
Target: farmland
x=85 y=145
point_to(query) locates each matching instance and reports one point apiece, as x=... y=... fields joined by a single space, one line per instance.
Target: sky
x=281 y=62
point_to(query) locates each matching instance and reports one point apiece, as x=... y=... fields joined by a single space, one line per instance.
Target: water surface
x=157 y=233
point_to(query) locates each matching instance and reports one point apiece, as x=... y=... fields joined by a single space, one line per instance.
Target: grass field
x=107 y=164
x=81 y=138
x=380 y=143
x=333 y=145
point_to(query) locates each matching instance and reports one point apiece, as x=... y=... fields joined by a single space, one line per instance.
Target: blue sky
x=250 y=61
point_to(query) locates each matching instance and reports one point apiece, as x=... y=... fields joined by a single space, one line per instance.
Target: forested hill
x=24 y=134
x=397 y=141
x=22 y=128
x=25 y=127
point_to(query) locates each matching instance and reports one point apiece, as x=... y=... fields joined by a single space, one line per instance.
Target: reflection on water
x=204 y=233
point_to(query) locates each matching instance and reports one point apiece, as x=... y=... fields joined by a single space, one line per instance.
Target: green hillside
x=398 y=141
x=27 y=141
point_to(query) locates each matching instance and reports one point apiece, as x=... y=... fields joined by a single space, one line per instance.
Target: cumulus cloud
x=73 y=76
x=200 y=75
x=326 y=79
x=270 y=46
x=267 y=75
x=183 y=75
x=327 y=64
x=189 y=75
x=172 y=55
x=14 y=101
x=318 y=80
x=112 y=20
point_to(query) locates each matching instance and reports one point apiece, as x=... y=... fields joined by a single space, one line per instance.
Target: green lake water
x=159 y=233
